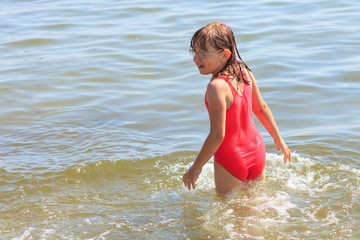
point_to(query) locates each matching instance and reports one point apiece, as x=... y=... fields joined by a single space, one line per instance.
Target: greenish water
x=102 y=112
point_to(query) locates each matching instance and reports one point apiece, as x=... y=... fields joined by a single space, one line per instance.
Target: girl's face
x=214 y=61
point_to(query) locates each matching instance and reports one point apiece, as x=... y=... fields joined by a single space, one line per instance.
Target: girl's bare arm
x=264 y=114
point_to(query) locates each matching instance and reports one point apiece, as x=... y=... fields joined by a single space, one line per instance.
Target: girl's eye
x=201 y=55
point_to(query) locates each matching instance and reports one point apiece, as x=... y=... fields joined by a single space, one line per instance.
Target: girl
x=232 y=95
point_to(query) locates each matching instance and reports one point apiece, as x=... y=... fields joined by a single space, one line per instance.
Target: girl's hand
x=281 y=145
x=191 y=176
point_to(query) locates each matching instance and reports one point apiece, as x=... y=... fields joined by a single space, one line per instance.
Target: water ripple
x=102 y=108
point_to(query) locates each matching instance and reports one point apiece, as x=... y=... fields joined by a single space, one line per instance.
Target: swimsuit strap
x=233 y=90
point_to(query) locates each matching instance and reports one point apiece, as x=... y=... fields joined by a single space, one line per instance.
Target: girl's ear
x=227 y=54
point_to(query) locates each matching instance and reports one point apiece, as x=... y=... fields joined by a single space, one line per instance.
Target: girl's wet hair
x=220 y=36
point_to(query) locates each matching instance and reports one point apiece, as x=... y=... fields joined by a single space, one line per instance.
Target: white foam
x=205 y=181
x=25 y=235
x=280 y=202
x=46 y=232
x=348 y=168
x=206 y=178
x=304 y=174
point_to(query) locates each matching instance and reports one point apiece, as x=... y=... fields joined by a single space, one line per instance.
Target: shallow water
x=102 y=112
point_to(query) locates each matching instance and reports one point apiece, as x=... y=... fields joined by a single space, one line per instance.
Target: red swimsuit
x=242 y=152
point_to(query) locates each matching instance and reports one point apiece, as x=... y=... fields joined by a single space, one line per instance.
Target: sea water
x=102 y=112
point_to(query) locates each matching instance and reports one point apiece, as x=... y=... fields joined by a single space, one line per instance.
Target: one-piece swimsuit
x=242 y=151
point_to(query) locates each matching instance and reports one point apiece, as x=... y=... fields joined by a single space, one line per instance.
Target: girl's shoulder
x=220 y=84
x=217 y=83
x=220 y=87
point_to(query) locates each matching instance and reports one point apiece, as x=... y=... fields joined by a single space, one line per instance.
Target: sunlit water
x=102 y=111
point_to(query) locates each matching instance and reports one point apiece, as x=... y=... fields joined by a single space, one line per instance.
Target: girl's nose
x=196 y=59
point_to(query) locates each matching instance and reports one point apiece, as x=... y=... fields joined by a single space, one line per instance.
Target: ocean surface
x=102 y=112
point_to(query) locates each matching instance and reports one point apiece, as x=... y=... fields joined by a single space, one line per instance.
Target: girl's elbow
x=218 y=136
x=261 y=108
x=264 y=107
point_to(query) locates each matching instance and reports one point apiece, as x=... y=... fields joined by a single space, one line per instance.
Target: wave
x=302 y=172
x=310 y=194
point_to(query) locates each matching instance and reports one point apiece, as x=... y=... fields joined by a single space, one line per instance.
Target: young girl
x=232 y=95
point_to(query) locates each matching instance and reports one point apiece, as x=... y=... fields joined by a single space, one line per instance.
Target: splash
x=306 y=198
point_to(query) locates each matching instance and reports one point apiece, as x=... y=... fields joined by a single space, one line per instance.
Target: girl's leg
x=225 y=182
